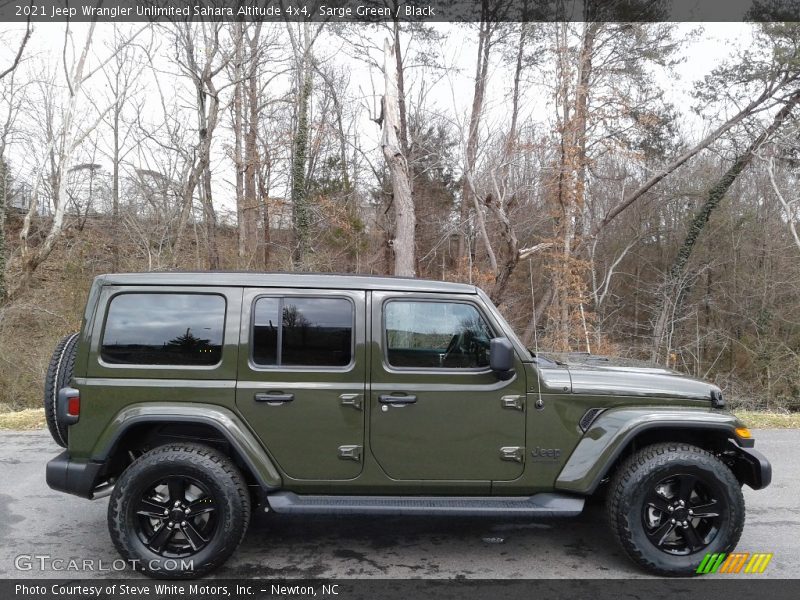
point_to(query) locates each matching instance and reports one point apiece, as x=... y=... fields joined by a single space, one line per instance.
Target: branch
x=787 y=206
x=683 y=158
x=18 y=57
x=531 y=250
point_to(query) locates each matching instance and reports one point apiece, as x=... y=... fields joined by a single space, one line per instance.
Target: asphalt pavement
x=37 y=522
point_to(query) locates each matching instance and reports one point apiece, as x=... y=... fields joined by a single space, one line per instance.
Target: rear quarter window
x=164 y=329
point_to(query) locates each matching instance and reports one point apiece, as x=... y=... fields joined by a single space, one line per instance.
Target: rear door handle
x=389 y=399
x=274 y=398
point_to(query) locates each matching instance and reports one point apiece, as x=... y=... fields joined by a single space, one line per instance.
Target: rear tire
x=59 y=374
x=670 y=504
x=179 y=511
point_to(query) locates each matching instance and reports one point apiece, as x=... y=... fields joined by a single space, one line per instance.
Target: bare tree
x=302 y=37
x=11 y=91
x=121 y=77
x=405 y=220
x=675 y=295
x=469 y=200
x=62 y=148
x=790 y=205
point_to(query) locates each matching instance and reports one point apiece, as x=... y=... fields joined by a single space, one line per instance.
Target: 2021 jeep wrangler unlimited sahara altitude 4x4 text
x=192 y=397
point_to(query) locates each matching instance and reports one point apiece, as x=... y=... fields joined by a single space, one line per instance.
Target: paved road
x=35 y=520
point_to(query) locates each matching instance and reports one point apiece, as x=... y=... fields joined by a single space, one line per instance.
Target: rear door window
x=303 y=332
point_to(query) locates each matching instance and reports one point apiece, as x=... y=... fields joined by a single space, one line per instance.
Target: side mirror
x=501 y=358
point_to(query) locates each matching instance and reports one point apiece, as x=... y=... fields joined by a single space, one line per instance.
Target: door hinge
x=352 y=400
x=515 y=402
x=512 y=453
x=350 y=453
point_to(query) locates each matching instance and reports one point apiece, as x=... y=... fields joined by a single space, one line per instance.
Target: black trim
x=589 y=417
x=751 y=466
x=64 y=394
x=276 y=397
x=71 y=476
x=105 y=453
x=628 y=437
x=551 y=504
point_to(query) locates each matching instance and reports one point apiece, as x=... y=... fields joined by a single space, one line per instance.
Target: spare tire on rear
x=59 y=374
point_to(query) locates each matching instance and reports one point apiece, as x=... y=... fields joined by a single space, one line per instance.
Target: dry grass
x=768 y=420
x=23 y=420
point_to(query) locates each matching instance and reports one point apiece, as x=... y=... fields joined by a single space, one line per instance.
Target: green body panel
x=553 y=431
x=447 y=443
x=304 y=435
x=613 y=429
x=458 y=424
x=108 y=389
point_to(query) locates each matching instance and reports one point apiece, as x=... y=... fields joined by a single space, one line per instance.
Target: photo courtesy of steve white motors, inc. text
x=193 y=590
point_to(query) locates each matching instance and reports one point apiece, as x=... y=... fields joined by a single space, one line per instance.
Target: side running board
x=538 y=505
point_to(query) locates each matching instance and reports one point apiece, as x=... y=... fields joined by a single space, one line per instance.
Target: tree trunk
x=251 y=157
x=115 y=189
x=301 y=211
x=238 y=143
x=567 y=281
x=3 y=202
x=405 y=220
x=31 y=259
x=498 y=206
x=470 y=156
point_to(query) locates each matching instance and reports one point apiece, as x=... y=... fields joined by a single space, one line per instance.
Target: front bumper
x=73 y=476
x=752 y=468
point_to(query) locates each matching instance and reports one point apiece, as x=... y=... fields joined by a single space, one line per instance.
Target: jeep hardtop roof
x=285 y=280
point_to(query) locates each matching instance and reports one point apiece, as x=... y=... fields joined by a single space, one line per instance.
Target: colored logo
x=735 y=562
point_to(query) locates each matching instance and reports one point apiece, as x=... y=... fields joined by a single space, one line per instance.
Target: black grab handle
x=274 y=397
x=389 y=399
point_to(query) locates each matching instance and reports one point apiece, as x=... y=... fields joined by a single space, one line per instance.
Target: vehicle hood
x=603 y=376
x=635 y=381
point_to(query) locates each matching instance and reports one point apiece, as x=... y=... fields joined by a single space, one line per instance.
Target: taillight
x=74 y=406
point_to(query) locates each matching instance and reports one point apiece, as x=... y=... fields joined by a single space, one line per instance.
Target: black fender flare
x=611 y=433
x=223 y=420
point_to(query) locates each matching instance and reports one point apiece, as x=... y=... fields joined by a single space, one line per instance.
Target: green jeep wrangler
x=191 y=398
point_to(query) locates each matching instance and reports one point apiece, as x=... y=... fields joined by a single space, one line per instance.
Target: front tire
x=179 y=511
x=670 y=504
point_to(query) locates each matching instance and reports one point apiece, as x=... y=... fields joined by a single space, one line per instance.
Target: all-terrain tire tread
x=59 y=374
x=631 y=470
x=202 y=457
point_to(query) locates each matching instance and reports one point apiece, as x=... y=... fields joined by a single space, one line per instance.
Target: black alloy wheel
x=683 y=513
x=179 y=511
x=176 y=517
x=670 y=504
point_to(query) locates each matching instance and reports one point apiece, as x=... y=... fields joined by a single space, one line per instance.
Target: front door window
x=436 y=335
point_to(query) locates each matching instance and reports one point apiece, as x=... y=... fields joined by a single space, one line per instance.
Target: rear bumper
x=753 y=468
x=72 y=476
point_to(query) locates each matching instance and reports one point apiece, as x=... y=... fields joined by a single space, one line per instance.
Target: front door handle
x=389 y=399
x=274 y=397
